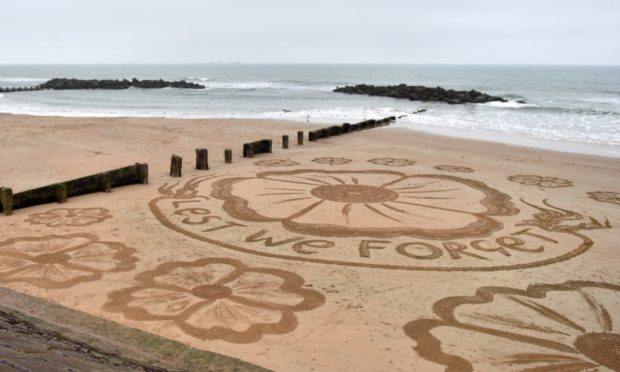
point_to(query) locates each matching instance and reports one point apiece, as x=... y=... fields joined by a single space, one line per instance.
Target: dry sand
x=380 y=250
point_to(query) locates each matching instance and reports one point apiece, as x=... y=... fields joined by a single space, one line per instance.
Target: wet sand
x=383 y=249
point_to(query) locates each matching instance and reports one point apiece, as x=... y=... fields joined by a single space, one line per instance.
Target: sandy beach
x=387 y=249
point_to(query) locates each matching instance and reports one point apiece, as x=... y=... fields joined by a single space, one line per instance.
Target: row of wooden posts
x=19 y=89
x=264 y=146
x=59 y=192
x=138 y=173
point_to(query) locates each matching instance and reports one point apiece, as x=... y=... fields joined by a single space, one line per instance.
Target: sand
x=386 y=249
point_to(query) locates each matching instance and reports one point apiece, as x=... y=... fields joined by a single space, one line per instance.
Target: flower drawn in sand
x=541 y=181
x=69 y=217
x=453 y=168
x=276 y=163
x=372 y=203
x=217 y=298
x=332 y=161
x=61 y=261
x=392 y=162
x=605 y=196
x=573 y=326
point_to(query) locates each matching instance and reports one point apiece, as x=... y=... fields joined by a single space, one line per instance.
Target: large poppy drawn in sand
x=373 y=218
x=372 y=203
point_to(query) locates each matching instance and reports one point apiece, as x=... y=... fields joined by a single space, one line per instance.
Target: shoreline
x=516 y=140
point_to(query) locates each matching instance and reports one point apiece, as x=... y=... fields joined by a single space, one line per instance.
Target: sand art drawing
x=338 y=203
x=453 y=168
x=573 y=326
x=71 y=217
x=374 y=218
x=276 y=163
x=392 y=162
x=533 y=180
x=332 y=161
x=61 y=261
x=605 y=196
x=217 y=298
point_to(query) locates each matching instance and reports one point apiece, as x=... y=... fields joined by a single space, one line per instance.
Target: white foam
x=509 y=104
x=253 y=85
x=334 y=114
x=25 y=80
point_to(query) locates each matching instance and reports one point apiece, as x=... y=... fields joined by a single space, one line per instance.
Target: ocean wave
x=249 y=85
x=203 y=79
x=509 y=104
x=335 y=114
x=256 y=85
x=23 y=80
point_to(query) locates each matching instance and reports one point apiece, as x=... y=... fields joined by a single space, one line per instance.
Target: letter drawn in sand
x=502 y=328
x=61 y=261
x=74 y=217
x=423 y=221
x=547 y=182
x=217 y=298
x=276 y=163
x=605 y=196
x=392 y=162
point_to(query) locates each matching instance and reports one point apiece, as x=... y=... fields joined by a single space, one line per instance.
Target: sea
x=567 y=108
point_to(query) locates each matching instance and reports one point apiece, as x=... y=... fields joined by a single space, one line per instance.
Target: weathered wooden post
x=106 y=182
x=300 y=137
x=60 y=192
x=6 y=199
x=176 y=166
x=285 y=142
x=228 y=156
x=249 y=151
x=312 y=136
x=202 y=159
x=269 y=147
x=143 y=173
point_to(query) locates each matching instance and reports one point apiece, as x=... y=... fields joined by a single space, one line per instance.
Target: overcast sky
x=312 y=31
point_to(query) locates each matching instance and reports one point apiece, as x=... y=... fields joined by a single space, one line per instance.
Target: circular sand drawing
x=69 y=217
x=374 y=218
x=276 y=163
x=331 y=161
x=605 y=196
x=392 y=162
x=501 y=328
x=217 y=298
x=453 y=168
x=61 y=261
x=541 y=181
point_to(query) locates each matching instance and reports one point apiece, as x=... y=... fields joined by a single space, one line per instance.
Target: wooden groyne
x=259 y=147
x=336 y=130
x=59 y=192
x=19 y=89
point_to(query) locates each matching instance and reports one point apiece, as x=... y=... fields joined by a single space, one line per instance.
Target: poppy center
x=51 y=258
x=211 y=292
x=603 y=348
x=354 y=193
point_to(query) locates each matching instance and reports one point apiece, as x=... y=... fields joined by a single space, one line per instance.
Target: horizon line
x=304 y=63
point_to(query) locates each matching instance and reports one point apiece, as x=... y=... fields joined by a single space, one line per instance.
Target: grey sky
x=314 y=31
